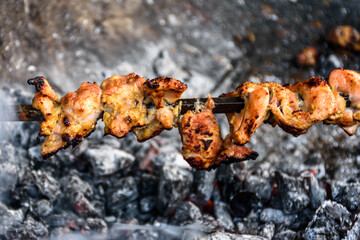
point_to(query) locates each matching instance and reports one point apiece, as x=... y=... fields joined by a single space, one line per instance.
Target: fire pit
x=107 y=188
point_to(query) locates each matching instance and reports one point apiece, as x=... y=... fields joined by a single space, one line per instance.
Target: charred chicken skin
x=146 y=107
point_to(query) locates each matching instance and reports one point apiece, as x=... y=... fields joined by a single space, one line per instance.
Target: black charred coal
x=242 y=203
x=222 y=214
x=186 y=213
x=203 y=186
x=331 y=221
x=174 y=186
x=286 y=235
x=350 y=196
x=260 y=186
x=293 y=195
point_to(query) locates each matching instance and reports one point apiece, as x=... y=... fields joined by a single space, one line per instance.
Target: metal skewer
x=11 y=113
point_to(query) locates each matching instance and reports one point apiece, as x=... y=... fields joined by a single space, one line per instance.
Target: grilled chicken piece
x=231 y=153
x=255 y=111
x=160 y=92
x=123 y=104
x=345 y=37
x=200 y=136
x=346 y=87
x=297 y=107
x=75 y=117
x=47 y=101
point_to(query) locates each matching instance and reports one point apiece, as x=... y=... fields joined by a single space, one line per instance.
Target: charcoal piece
x=106 y=160
x=260 y=186
x=73 y=184
x=159 y=160
x=9 y=218
x=63 y=219
x=96 y=225
x=174 y=186
x=293 y=195
x=186 y=213
x=316 y=193
x=124 y=191
x=43 y=208
x=84 y=207
x=223 y=216
x=148 y=184
x=147 y=204
x=350 y=196
x=60 y=233
x=277 y=216
x=331 y=221
x=46 y=184
x=268 y=230
x=354 y=232
x=9 y=167
x=203 y=185
x=35 y=229
x=230 y=178
x=242 y=203
x=286 y=235
x=34 y=153
x=337 y=187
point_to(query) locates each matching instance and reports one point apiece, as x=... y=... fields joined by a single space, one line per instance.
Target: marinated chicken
x=159 y=94
x=200 y=136
x=147 y=107
x=71 y=119
x=122 y=99
x=346 y=87
x=297 y=107
x=256 y=100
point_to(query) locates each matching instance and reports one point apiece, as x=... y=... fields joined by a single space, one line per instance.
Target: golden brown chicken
x=200 y=136
x=297 y=107
x=346 y=87
x=47 y=101
x=160 y=93
x=255 y=111
x=122 y=100
x=71 y=119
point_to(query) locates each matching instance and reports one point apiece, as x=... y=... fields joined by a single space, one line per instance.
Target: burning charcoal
x=174 y=186
x=35 y=229
x=46 y=184
x=242 y=203
x=260 y=186
x=186 y=213
x=331 y=221
x=228 y=177
x=354 y=232
x=148 y=184
x=286 y=235
x=147 y=204
x=9 y=167
x=123 y=191
x=276 y=216
x=43 y=208
x=63 y=219
x=203 y=186
x=222 y=214
x=106 y=160
x=60 y=233
x=350 y=196
x=268 y=231
x=95 y=225
x=293 y=195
